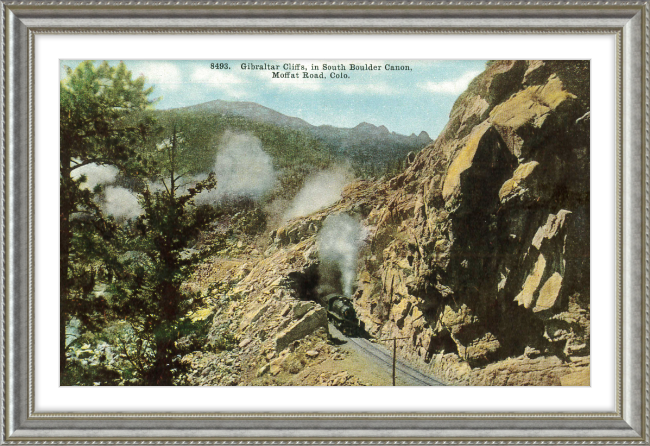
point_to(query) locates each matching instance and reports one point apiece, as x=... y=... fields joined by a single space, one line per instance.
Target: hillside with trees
x=148 y=196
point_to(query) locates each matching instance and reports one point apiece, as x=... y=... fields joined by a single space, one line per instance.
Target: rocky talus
x=478 y=252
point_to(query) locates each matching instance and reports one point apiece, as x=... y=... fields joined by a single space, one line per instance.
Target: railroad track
x=382 y=356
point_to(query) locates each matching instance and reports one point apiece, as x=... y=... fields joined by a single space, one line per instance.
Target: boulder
x=302 y=308
x=520 y=119
x=553 y=225
x=312 y=321
x=527 y=294
x=253 y=315
x=455 y=320
x=463 y=161
x=549 y=293
x=481 y=351
x=517 y=185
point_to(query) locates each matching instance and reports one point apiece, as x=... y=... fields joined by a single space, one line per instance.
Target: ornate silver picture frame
x=627 y=21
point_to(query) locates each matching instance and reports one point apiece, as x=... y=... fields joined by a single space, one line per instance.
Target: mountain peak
x=365 y=126
x=250 y=110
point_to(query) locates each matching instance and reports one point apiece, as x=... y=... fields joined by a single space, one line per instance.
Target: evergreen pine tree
x=96 y=104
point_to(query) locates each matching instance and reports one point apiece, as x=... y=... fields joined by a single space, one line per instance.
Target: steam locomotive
x=341 y=312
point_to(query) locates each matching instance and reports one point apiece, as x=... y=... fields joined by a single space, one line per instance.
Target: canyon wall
x=478 y=252
x=482 y=251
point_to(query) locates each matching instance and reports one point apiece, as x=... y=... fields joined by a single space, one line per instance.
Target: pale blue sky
x=404 y=101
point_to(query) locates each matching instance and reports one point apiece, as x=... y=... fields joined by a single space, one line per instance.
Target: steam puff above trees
x=319 y=191
x=95 y=174
x=242 y=167
x=121 y=203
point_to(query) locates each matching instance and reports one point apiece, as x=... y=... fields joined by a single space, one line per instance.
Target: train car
x=341 y=312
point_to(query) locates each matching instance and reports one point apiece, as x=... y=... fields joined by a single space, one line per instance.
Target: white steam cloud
x=242 y=167
x=156 y=187
x=95 y=174
x=121 y=203
x=339 y=242
x=320 y=190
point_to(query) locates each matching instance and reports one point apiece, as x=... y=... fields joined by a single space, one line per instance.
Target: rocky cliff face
x=478 y=251
x=484 y=250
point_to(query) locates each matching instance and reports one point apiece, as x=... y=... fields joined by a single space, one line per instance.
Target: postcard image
x=324 y=223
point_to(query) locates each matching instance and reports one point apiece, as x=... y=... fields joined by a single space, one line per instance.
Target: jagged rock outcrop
x=485 y=249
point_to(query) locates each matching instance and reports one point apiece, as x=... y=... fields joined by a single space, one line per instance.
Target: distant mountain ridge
x=365 y=144
x=249 y=110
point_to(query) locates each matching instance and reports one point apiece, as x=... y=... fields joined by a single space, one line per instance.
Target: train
x=341 y=312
